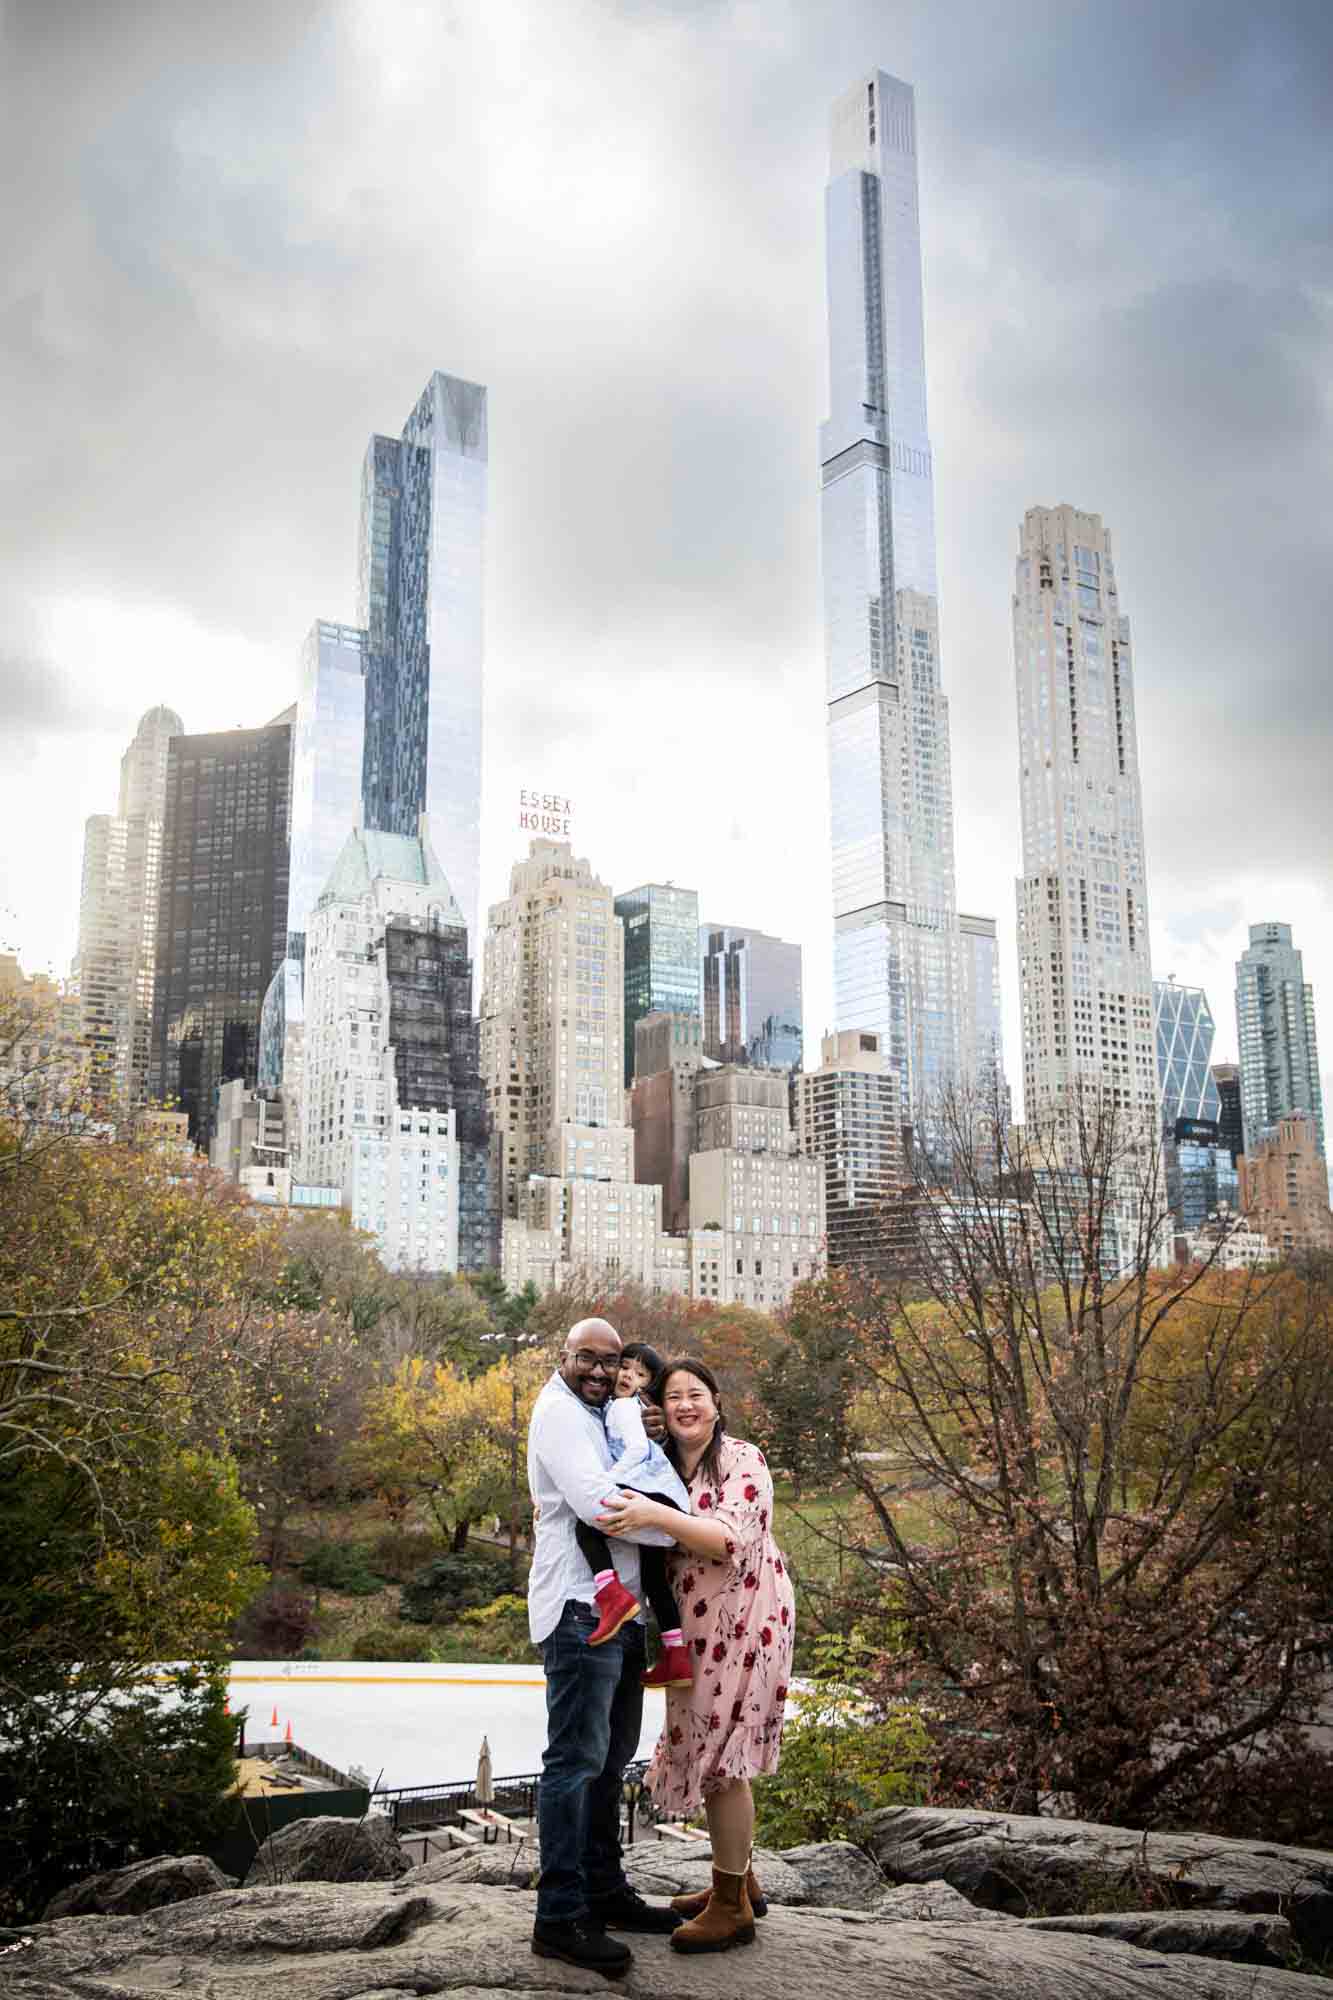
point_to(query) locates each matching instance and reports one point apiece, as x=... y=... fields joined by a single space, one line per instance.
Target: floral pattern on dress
x=737 y=1615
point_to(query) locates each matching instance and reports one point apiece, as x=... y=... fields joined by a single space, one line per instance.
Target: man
x=594 y=1702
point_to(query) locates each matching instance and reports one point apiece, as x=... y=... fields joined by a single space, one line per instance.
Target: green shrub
x=391 y=1642
x=841 y=1756
x=495 y=1631
x=398 y=1553
x=341 y=1566
x=447 y=1587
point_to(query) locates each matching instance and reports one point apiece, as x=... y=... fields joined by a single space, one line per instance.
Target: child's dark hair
x=647 y=1357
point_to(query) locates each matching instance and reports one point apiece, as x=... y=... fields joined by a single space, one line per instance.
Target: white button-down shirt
x=570 y=1474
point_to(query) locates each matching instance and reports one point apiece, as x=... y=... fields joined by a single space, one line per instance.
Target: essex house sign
x=548 y=813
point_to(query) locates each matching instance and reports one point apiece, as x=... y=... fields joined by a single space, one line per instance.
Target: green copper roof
x=369 y=856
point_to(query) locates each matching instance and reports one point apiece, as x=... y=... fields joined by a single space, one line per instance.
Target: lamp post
x=514 y=1338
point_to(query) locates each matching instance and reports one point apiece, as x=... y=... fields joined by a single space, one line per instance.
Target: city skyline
x=577 y=691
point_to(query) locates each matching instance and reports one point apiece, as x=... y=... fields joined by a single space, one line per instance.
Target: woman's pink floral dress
x=737 y=1615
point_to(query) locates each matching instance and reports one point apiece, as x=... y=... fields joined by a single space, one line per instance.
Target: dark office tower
x=423 y=520
x=661 y=955
x=222 y=912
x=751 y=997
x=436 y=1042
x=1230 y=1126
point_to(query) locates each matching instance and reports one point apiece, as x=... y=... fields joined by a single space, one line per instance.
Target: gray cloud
x=235 y=242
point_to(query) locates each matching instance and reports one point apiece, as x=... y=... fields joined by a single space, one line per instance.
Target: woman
x=737 y=1615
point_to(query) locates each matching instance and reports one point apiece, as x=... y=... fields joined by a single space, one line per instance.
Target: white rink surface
x=417 y=1724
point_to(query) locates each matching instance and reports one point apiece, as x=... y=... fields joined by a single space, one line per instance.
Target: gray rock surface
x=835 y=1874
x=373 y=1941
x=143 y=1885
x=1208 y=1933
x=929 y=1903
x=1007 y=1861
x=505 y=1865
x=329 y=1849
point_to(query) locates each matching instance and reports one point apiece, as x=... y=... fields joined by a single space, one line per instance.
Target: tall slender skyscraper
x=423 y=520
x=897 y=971
x=1279 y=1051
x=1087 y=992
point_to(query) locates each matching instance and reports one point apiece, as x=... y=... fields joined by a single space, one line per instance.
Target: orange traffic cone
x=274 y=1723
x=288 y=1737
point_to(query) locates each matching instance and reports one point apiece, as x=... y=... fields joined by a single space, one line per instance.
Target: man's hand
x=654 y=1421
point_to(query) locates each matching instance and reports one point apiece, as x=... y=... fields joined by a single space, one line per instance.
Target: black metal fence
x=418 y=1807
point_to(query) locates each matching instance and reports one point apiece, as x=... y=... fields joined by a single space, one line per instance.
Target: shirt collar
x=598 y=1416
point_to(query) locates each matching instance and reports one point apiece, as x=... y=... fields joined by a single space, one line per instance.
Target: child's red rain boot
x=674 y=1669
x=617 y=1608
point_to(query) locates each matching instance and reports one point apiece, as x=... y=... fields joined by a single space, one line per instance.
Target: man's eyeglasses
x=585 y=1359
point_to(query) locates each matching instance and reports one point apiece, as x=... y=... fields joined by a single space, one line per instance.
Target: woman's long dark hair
x=711 y=1462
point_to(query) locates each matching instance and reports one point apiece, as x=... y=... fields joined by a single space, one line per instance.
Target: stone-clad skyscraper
x=423 y=520
x=122 y=860
x=897 y=970
x=1087 y=990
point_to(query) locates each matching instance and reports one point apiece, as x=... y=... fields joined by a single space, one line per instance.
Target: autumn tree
x=445 y=1439
x=1088 y=1494
x=124 y=1539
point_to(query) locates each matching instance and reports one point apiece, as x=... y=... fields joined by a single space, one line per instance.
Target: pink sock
x=602 y=1578
x=676 y=1638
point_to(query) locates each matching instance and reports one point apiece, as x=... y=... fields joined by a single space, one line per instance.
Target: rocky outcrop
x=1206 y=1933
x=329 y=1849
x=144 y=1885
x=371 y=1941
x=1028 y=1866
x=835 y=1875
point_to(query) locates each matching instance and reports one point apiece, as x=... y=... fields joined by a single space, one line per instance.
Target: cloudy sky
x=237 y=240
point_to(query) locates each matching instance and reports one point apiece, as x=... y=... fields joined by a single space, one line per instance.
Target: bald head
x=591 y=1356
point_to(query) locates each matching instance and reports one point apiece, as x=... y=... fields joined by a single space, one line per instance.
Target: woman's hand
x=629 y=1513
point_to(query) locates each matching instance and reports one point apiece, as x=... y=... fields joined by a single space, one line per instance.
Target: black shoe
x=582 y=1943
x=627 y=1911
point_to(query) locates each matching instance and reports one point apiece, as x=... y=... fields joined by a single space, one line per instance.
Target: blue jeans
x=594 y=1715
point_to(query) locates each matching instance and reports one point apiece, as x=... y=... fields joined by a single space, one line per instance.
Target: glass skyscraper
x=328 y=750
x=661 y=955
x=423 y=520
x=1184 y=1052
x=1279 y=1051
x=222 y=912
x=752 y=1002
x=897 y=970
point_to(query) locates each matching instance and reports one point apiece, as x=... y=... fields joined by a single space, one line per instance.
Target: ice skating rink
x=406 y=1724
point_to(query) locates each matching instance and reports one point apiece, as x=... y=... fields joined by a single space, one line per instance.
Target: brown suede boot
x=692 y=1905
x=725 y=1920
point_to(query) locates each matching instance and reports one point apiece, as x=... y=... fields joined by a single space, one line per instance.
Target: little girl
x=641 y=1467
